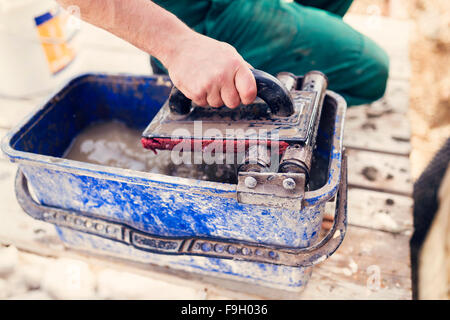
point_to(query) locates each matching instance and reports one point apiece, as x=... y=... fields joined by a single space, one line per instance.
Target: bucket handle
x=206 y=247
x=269 y=89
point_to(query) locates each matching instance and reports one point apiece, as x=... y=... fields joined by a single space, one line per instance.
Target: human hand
x=210 y=72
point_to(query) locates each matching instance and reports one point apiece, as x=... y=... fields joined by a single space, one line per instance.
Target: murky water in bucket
x=116 y=145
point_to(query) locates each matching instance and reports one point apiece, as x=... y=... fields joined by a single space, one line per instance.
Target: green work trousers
x=297 y=37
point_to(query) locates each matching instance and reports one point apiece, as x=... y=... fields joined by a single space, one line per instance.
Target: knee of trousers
x=375 y=65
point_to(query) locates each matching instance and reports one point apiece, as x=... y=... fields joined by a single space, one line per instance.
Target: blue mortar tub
x=192 y=225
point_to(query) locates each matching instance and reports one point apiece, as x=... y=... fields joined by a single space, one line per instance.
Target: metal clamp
x=283 y=190
x=196 y=246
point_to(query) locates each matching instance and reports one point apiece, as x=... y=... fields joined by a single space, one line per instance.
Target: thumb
x=245 y=84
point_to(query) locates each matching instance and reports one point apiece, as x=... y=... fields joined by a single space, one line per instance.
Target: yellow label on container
x=58 y=51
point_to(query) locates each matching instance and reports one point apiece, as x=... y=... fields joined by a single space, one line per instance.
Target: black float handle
x=270 y=89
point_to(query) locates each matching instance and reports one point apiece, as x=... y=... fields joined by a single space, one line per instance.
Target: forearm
x=207 y=71
x=140 y=22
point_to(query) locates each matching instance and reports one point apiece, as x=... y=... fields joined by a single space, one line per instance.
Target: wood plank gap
x=378 y=151
x=359 y=186
x=395 y=233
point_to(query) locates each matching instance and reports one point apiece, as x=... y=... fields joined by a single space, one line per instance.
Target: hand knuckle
x=220 y=76
x=196 y=96
x=235 y=62
x=206 y=87
x=200 y=102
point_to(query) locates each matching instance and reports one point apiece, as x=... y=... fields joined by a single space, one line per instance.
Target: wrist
x=176 y=44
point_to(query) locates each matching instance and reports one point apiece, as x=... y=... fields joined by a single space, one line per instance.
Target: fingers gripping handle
x=269 y=89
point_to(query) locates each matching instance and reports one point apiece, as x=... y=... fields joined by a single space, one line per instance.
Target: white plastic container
x=38 y=47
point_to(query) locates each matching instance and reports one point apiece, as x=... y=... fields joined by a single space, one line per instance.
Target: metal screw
x=250 y=182
x=111 y=229
x=232 y=249
x=289 y=184
x=219 y=248
x=206 y=246
x=49 y=214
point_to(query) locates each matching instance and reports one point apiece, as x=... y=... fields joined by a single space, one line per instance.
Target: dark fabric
x=425 y=195
x=339 y=7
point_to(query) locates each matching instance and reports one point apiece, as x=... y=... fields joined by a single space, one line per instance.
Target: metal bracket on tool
x=283 y=190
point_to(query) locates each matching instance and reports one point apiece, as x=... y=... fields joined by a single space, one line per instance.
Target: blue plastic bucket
x=192 y=225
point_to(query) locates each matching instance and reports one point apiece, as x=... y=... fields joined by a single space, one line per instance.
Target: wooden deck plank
x=377 y=129
x=396 y=97
x=377 y=210
x=365 y=256
x=383 y=125
x=379 y=172
x=380 y=210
